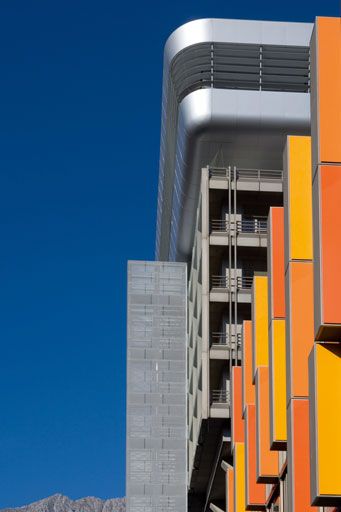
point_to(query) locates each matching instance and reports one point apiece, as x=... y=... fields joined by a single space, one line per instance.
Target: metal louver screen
x=156 y=387
x=241 y=66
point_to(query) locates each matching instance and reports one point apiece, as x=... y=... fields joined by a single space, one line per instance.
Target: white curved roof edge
x=233 y=114
x=236 y=31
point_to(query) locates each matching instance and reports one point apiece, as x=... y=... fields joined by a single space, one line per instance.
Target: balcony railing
x=259 y=175
x=246 y=174
x=221 y=226
x=219 y=173
x=220 y=396
x=224 y=339
x=257 y=226
x=242 y=282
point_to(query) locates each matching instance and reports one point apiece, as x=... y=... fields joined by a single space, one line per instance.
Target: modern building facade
x=249 y=199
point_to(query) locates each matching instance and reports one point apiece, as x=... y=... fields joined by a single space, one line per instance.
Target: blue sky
x=80 y=87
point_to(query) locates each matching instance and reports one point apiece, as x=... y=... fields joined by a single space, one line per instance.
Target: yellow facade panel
x=239 y=477
x=325 y=423
x=277 y=370
x=260 y=315
x=298 y=199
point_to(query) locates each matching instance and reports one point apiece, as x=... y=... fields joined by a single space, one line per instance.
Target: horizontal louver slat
x=240 y=66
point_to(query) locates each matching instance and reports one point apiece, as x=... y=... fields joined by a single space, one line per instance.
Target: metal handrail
x=220 y=281
x=256 y=225
x=218 y=172
x=242 y=282
x=223 y=338
x=247 y=174
x=221 y=225
x=259 y=174
x=220 y=396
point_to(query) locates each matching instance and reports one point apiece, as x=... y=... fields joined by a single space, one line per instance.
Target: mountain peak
x=60 y=503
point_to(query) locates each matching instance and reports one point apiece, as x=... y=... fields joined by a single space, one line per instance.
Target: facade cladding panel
x=255 y=494
x=247 y=378
x=260 y=322
x=326 y=172
x=156 y=387
x=277 y=348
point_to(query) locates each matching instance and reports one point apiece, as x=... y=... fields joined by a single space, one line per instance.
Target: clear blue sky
x=80 y=121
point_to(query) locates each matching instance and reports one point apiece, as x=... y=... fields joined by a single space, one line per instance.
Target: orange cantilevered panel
x=230 y=490
x=260 y=323
x=326 y=91
x=327 y=250
x=276 y=269
x=267 y=461
x=298 y=455
x=326 y=148
x=239 y=477
x=237 y=433
x=247 y=379
x=255 y=494
x=325 y=423
x=299 y=327
x=278 y=395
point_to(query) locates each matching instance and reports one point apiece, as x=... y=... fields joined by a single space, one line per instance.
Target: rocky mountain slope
x=60 y=503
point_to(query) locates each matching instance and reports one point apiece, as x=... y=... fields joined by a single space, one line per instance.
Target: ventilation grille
x=241 y=66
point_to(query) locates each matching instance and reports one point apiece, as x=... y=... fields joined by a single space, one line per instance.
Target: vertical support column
x=230 y=265
x=235 y=261
x=205 y=292
x=299 y=314
x=237 y=423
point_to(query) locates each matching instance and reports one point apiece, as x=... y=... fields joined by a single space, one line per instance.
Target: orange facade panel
x=326 y=91
x=237 y=429
x=276 y=269
x=267 y=461
x=299 y=327
x=326 y=148
x=327 y=249
x=325 y=423
x=278 y=395
x=255 y=494
x=247 y=379
x=298 y=456
x=230 y=490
